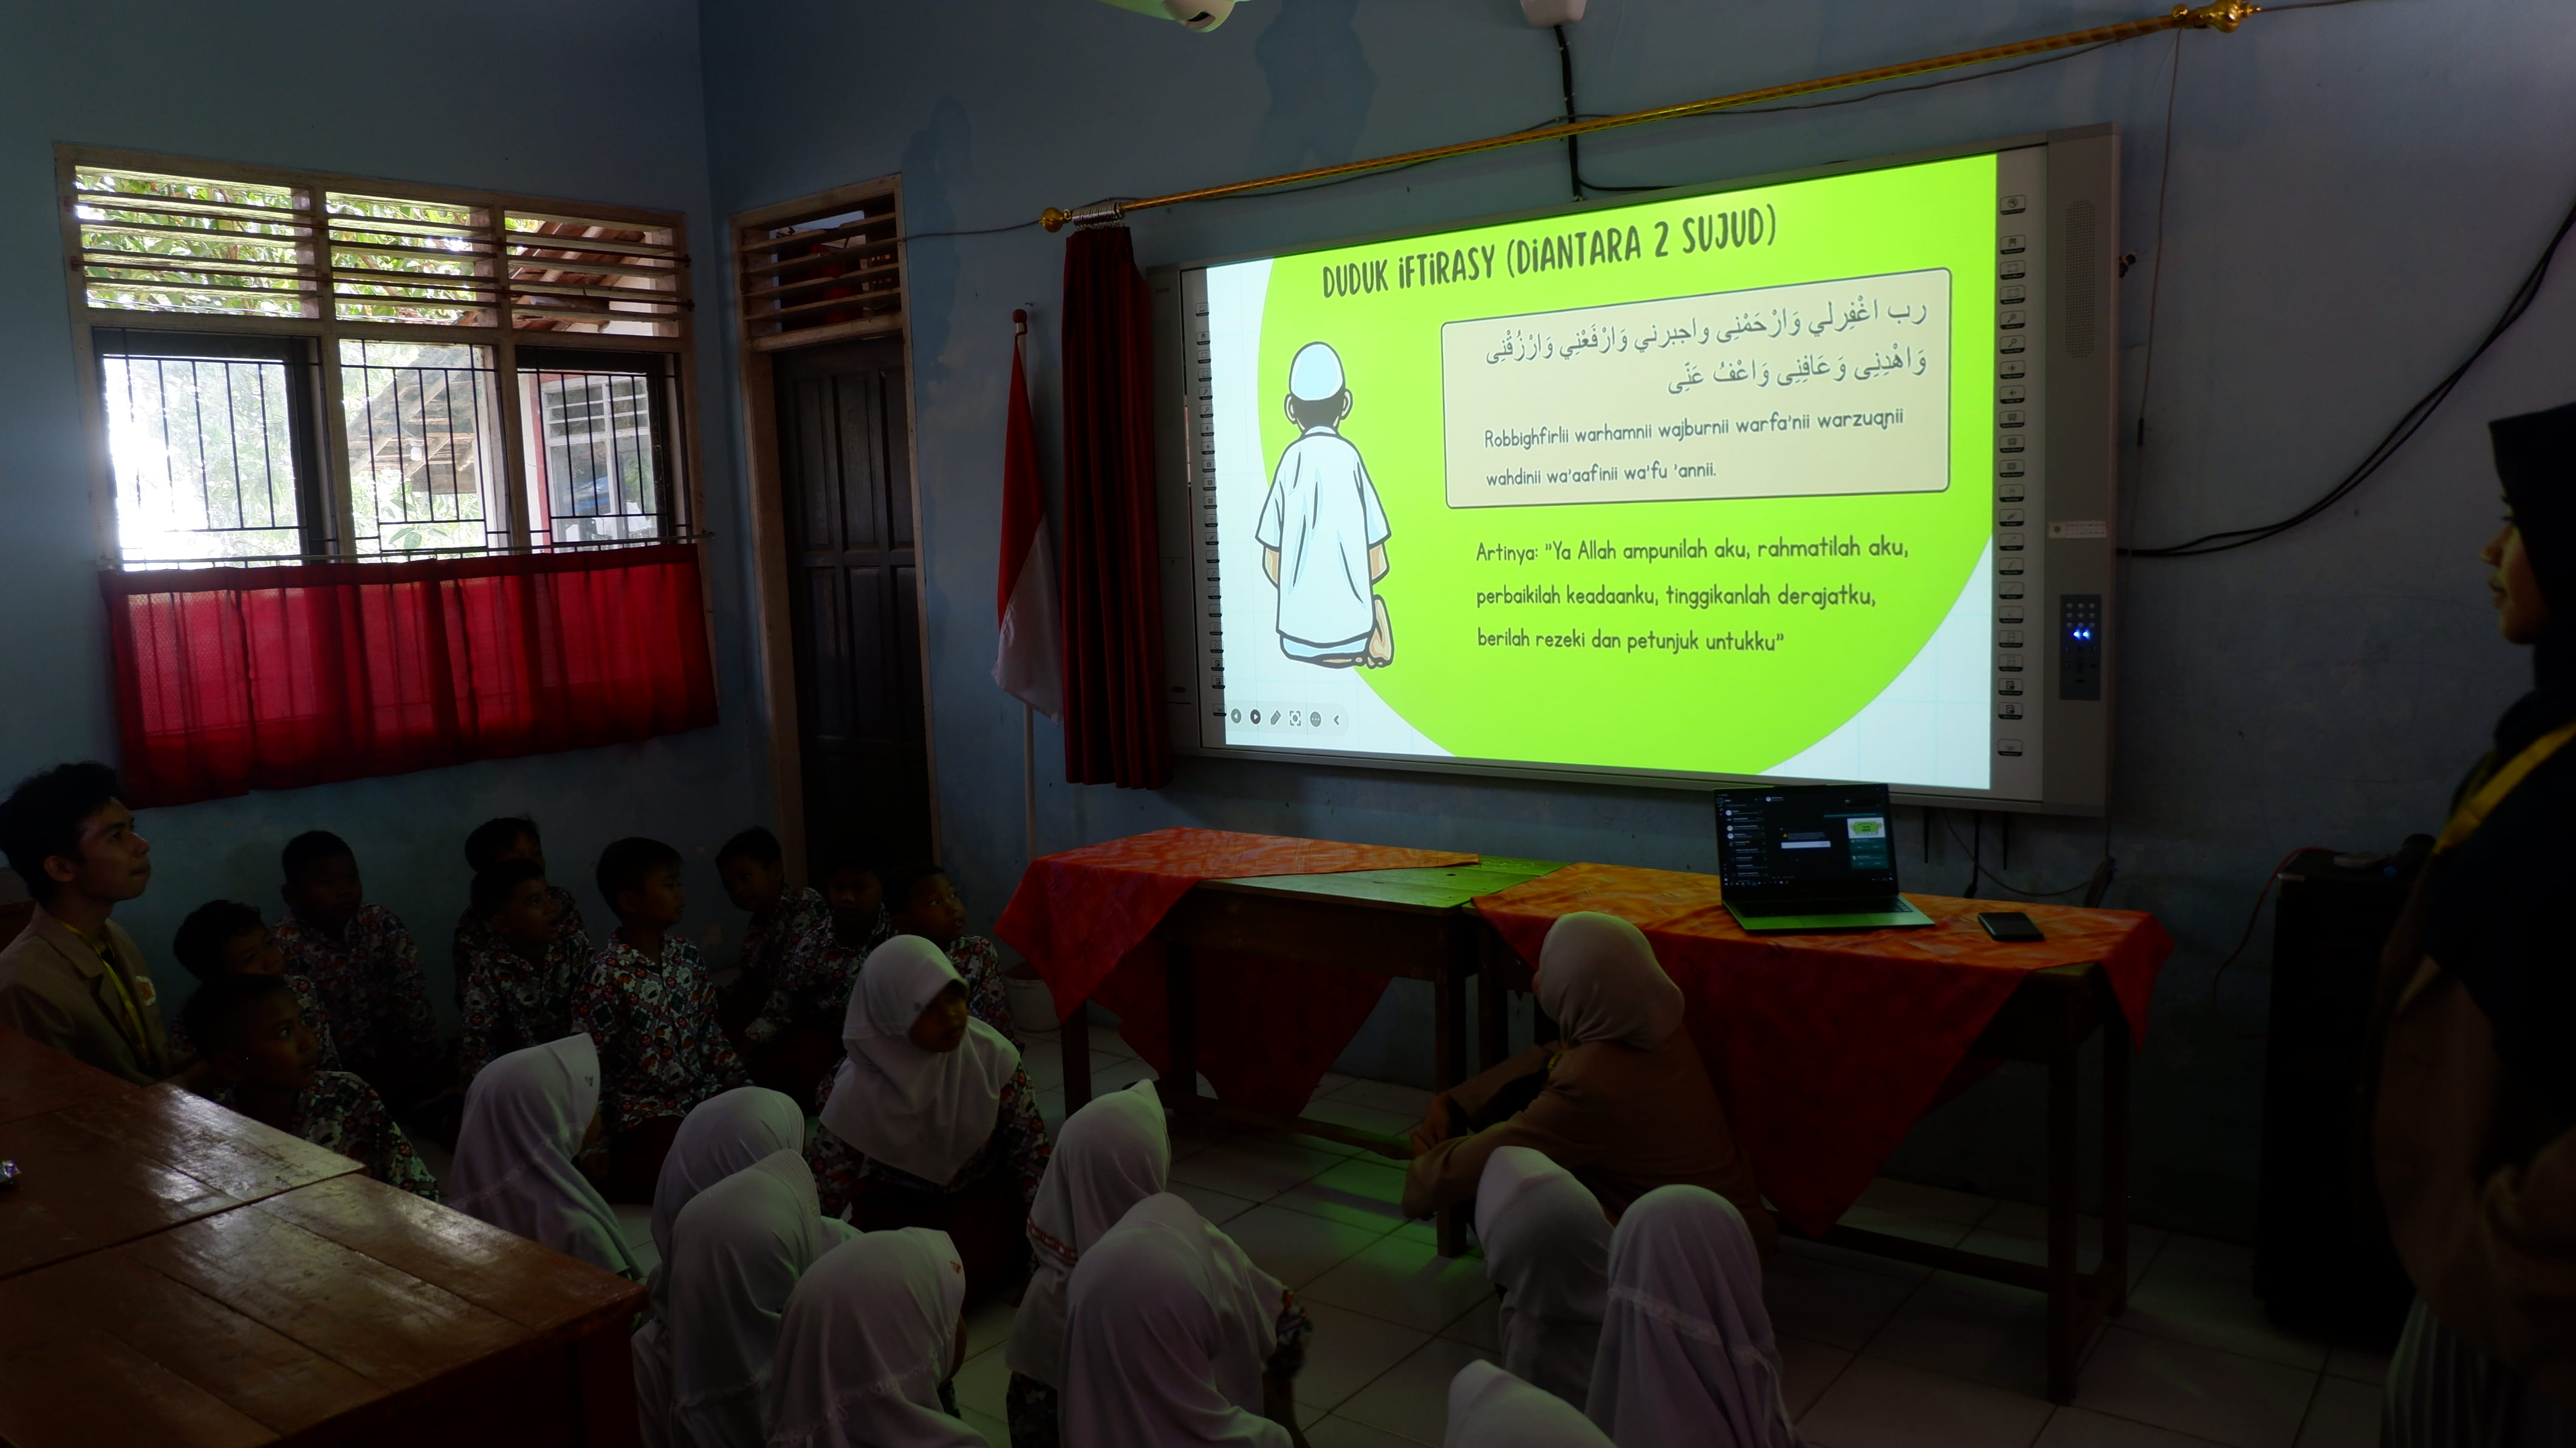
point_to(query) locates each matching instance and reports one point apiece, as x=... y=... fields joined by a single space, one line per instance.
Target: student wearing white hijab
x=736 y=1253
x=929 y=1120
x=1111 y=1155
x=1175 y=1340
x=872 y=1330
x=1490 y=1408
x=1687 y=1357
x=1622 y=1101
x=528 y=1115
x=723 y=1135
x=1547 y=1248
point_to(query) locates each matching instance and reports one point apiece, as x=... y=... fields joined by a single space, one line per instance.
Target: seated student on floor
x=924 y=902
x=796 y=1037
x=365 y=966
x=73 y=979
x=269 y=1068
x=1109 y=1156
x=737 y=1250
x=929 y=1121
x=650 y=1007
x=873 y=1331
x=1547 y=1249
x=1490 y=1408
x=787 y=923
x=514 y=837
x=528 y=1118
x=726 y=1134
x=1687 y=1358
x=1622 y=1101
x=1174 y=1337
x=518 y=972
x=227 y=937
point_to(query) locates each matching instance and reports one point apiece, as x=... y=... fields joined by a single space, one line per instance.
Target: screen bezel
x=1174 y=437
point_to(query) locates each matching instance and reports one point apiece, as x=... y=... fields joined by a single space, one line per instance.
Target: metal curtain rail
x=2223 y=15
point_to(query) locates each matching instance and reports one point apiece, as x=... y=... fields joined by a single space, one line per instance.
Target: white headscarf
x=1547 y=1247
x=736 y=1253
x=923 y=1112
x=869 y=1334
x=1489 y=1408
x=725 y=1134
x=1110 y=1155
x=525 y=1116
x=1169 y=1328
x=1597 y=978
x=1687 y=1356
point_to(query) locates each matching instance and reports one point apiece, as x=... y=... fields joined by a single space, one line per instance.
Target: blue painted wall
x=2351 y=194
x=592 y=102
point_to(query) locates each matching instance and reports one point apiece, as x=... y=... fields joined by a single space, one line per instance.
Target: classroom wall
x=2352 y=192
x=589 y=101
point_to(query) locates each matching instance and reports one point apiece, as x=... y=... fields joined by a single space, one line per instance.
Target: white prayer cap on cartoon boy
x=1316 y=374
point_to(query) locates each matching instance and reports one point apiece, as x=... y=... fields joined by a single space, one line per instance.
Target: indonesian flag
x=1025 y=600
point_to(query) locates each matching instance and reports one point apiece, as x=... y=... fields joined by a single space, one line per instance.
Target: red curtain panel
x=235 y=679
x=1112 y=582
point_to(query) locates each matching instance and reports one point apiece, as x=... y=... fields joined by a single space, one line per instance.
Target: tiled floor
x=1878 y=1354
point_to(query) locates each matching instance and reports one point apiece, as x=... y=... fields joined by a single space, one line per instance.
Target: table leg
x=1073 y=1039
x=604 y=1375
x=2115 y=1162
x=1448 y=1033
x=1180 y=998
x=2060 y=1271
x=1493 y=1006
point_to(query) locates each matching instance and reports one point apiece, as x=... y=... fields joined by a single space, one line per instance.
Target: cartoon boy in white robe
x=1323 y=534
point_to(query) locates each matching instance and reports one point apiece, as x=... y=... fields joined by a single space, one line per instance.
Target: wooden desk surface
x=36 y=1078
x=122 y=1166
x=339 y=1311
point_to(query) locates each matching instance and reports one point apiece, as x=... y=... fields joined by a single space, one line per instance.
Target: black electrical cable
x=1976 y=853
x=2408 y=424
x=1573 y=144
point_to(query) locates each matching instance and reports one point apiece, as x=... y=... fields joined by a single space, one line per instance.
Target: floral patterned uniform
x=472 y=934
x=1034 y=1408
x=810 y=984
x=781 y=960
x=341 y=1112
x=368 y=981
x=1018 y=1145
x=511 y=1004
x=316 y=1016
x=654 y=1021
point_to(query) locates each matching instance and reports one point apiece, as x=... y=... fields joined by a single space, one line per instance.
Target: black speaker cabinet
x=2318 y=1265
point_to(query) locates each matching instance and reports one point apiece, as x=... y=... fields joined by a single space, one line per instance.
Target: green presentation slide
x=1683 y=486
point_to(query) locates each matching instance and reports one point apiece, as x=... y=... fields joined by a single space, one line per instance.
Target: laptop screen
x=1805 y=842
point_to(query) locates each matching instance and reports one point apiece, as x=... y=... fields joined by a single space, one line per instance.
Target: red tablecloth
x=1827 y=1048
x=1267 y=1030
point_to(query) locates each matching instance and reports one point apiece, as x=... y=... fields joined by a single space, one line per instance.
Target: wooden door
x=845 y=454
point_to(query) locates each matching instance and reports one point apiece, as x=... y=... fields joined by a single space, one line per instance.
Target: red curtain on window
x=235 y=679
x=1112 y=587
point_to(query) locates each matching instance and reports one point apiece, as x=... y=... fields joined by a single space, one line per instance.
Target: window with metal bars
x=346 y=370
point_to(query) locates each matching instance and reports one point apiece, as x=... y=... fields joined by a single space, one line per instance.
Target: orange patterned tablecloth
x=1267 y=1029
x=1827 y=1048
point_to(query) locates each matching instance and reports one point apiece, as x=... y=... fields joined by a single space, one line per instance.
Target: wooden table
x=2047 y=1019
x=174 y=1274
x=36 y=1079
x=1407 y=924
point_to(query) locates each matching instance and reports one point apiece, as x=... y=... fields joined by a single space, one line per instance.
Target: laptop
x=1810 y=857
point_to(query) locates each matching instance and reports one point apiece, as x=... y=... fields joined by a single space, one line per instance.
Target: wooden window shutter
x=823 y=268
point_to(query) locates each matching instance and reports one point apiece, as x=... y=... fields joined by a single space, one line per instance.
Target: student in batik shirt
x=363 y=964
x=648 y=1006
x=227 y=937
x=786 y=924
x=925 y=903
x=514 y=837
x=268 y=1063
x=517 y=982
x=929 y=1121
x=797 y=1035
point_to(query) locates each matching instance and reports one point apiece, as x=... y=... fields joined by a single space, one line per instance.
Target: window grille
x=828 y=269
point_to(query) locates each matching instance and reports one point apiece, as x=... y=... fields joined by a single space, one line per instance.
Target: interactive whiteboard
x=1804 y=478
